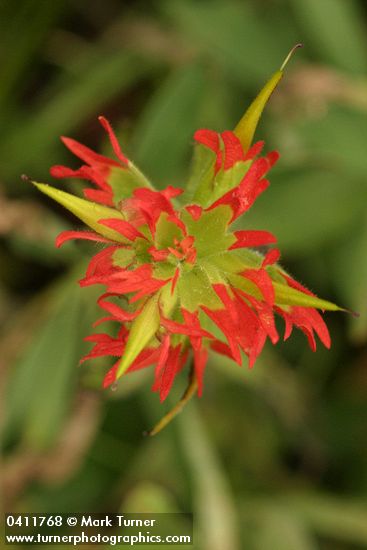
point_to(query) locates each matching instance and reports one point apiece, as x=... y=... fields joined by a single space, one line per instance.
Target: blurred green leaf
x=291 y=516
x=149 y=497
x=338 y=139
x=229 y=31
x=84 y=492
x=42 y=384
x=349 y=262
x=22 y=32
x=163 y=135
x=218 y=107
x=215 y=509
x=273 y=381
x=334 y=30
x=276 y=527
x=339 y=519
x=101 y=77
x=307 y=210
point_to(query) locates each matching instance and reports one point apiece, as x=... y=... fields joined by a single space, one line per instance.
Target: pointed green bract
x=87 y=211
x=213 y=188
x=124 y=181
x=202 y=173
x=167 y=300
x=286 y=295
x=246 y=127
x=226 y=180
x=142 y=331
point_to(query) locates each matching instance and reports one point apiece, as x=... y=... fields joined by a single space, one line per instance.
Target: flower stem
x=188 y=394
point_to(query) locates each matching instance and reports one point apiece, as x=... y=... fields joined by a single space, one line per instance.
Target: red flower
x=190 y=284
x=191 y=252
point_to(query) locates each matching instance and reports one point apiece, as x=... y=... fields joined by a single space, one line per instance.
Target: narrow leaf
x=246 y=127
x=88 y=212
x=286 y=295
x=142 y=330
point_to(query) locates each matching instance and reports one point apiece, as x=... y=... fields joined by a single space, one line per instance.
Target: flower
x=178 y=280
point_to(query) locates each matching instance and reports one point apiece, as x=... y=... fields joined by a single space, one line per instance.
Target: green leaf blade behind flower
x=163 y=133
x=87 y=211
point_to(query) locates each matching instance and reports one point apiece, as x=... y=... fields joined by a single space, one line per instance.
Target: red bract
x=104 y=172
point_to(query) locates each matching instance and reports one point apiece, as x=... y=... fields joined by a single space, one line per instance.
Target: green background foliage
x=273 y=458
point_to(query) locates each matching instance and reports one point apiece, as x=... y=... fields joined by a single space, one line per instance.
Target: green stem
x=188 y=394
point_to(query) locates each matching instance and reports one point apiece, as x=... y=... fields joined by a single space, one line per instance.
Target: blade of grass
x=216 y=511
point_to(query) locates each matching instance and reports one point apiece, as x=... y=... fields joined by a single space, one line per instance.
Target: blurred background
x=269 y=459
